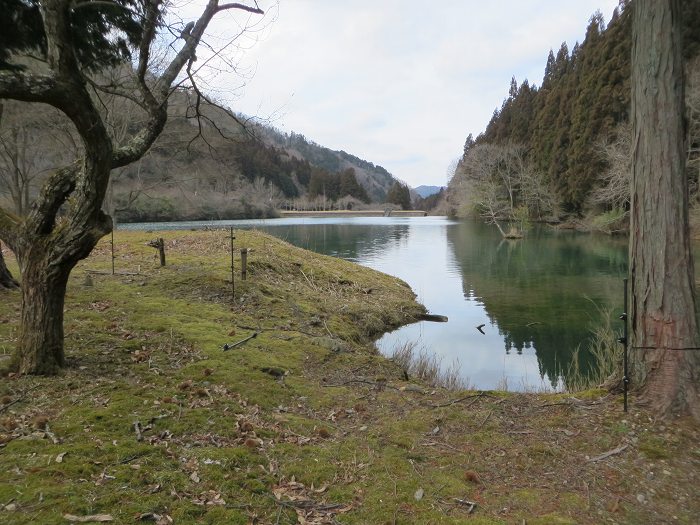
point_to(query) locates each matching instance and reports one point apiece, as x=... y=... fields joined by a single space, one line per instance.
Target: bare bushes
x=498 y=183
x=179 y=201
x=419 y=362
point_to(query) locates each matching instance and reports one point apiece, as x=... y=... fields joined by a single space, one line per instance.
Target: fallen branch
x=93 y=518
x=20 y=398
x=609 y=453
x=376 y=384
x=307 y=280
x=459 y=400
x=51 y=435
x=486 y=419
x=469 y=504
x=310 y=505
x=432 y=317
x=327 y=330
x=100 y=272
x=573 y=402
x=2 y=409
x=234 y=345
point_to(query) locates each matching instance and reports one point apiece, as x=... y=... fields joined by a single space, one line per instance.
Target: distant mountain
x=375 y=179
x=217 y=169
x=427 y=191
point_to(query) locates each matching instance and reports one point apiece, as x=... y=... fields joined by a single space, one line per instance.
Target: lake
x=537 y=297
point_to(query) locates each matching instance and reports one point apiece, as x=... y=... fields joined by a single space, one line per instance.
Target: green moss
x=654 y=447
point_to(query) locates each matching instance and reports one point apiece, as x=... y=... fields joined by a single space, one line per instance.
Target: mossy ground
x=151 y=420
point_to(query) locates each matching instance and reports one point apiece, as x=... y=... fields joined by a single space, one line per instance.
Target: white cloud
x=399 y=82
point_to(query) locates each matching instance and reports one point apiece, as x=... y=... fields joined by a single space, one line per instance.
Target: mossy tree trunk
x=40 y=343
x=663 y=320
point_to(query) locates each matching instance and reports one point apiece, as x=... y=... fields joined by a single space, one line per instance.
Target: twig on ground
x=375 y=384
x=486 y=419
x=2 y=409
x=307 y=280
x=51 y=435
x=100 y=272
x=234 y=345
x=469 y=504
x=609 y=453
x=459 y=400
x=20 y=398
x=327 y=330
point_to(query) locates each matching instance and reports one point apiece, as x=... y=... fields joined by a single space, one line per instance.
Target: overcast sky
x=400 y=83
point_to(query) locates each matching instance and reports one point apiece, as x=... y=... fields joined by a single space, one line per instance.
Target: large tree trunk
x=40 y=342
x=46 y=263
x=6 y=279
x=663 y=320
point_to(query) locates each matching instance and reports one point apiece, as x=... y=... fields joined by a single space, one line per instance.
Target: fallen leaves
x=209 y=498
x=296 y=495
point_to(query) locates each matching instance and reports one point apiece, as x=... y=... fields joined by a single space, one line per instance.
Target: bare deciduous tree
x=614 y=184
x=49 y=244
x=26 y=129
x=498 y=181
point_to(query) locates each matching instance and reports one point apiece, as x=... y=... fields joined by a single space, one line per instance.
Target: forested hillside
x=375 y=179
x=215 y=166
x=561 y=149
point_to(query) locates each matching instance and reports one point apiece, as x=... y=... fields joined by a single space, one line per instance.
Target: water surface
x=537 y=297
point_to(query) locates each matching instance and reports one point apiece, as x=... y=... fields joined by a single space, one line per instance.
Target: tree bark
x=40 y=341
x=662 y=315
x=6 y=279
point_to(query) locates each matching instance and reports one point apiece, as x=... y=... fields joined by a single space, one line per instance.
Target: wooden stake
x=161 y=250
x=244 y=263
x=233 y=274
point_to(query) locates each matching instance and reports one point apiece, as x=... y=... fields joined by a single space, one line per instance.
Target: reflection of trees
x=346 y=241
x=540 y=291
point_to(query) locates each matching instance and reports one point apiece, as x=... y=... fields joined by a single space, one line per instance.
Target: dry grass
x=417 y=361
x=606 y=353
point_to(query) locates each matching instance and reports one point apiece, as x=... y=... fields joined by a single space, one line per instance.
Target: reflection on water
x=539 y=293
x=537 y=297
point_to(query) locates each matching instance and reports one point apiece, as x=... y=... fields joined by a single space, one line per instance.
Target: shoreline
x=353 y=213
x=306 y=412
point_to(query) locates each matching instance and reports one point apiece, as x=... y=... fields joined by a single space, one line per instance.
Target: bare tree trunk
x=6 y=279
x=40 y=342
x=663 y=320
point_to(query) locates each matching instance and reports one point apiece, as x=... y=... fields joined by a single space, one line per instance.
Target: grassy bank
x=153 y=422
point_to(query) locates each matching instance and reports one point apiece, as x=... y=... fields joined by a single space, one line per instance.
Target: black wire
x=658 y=348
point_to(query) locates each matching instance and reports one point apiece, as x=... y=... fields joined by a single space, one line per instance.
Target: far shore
x=355 y=213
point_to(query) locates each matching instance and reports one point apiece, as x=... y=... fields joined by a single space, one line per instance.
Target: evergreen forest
x=560 y=151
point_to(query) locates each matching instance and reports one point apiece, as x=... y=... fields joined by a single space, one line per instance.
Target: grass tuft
x=417 y=361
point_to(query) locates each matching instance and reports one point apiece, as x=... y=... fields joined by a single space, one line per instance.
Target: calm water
x=537 y=297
